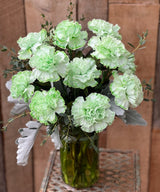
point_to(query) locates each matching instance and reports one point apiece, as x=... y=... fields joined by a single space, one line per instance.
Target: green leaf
x=42 y=15
x=131 y=44
x=4 y=48
x=146 y=33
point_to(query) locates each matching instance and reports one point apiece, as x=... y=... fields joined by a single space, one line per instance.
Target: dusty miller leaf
x=26 y=141
x=132 y=117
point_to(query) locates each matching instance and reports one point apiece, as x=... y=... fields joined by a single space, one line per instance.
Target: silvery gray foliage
x=55 y=138
x=26 y=141
x=118 y=110
x=132 y=117
x=20 y=106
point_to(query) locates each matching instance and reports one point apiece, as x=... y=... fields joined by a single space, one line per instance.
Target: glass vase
x=79 y=159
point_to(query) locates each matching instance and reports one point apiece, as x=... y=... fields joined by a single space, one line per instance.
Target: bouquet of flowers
x=70 y=79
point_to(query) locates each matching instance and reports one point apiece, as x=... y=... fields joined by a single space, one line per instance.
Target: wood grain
x=54 y=10
x=92 y=9
x=155 y=162
x=134 y=1
x=2 y=163
x=12 y=26
x=135 y=19
x=156 y=104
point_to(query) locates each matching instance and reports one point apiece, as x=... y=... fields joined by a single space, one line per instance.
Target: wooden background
x=17 y=18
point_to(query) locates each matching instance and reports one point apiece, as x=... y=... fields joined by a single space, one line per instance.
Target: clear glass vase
x=79 y=159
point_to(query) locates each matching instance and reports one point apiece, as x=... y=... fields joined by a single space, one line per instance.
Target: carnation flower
x=21 y=87
x=30 y=43
x=104 y=28
x=111 y=52
x=81 y=73
x=92 y=114
x=48 y=65
x=127 y=90
x=68 y=33
x=44 y=106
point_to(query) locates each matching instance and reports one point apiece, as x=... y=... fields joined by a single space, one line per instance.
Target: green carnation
x=104 y=28
x=30 y=43
x=127 y=90
x=92 y=114
x=68 y=33
x=48 y=65
x=81 y=73
x=111 y=52
x=21 y=87
x=44 y=106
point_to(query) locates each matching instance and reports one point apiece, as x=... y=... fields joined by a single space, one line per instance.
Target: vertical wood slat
x=154 y=175
x=154 y=184
x=12 y=26
x=135 y=19
x=134 y=1
x=54 y=10
x=156 y=108
x=2 y=163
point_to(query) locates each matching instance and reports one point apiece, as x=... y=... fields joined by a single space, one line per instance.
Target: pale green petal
x=48 y=65
x=30 y=43
x=61 y=62
x=81 y=73
x=127 y=90
x=68 y=33
x=112 y=53
x=21 y=87
x=92 y=114
x=44 y=106
x=78 y=42
x=103 y=28
x=43 y=76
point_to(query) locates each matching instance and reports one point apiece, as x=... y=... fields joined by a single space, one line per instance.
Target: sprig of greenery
x=10 y=120
x=70 y=11
x=16 y=64
x=148 y=90
x=142 y=41
x=48 y=26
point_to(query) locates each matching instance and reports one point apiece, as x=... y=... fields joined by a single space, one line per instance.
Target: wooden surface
x=135 y=19
x=156 y=104
x=155 y=144
x=12 y=26
x=2 y=162
x=134 y=1
x=154 y=185
x=54 y=10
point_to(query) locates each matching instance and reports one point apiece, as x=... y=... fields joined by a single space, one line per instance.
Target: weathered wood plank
x=154 y=176
x=11 y=28
x=54 y=10
x=92 y=9
x=2 y=164
x=134 y=1
x=135 y=19
x=156 y=104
